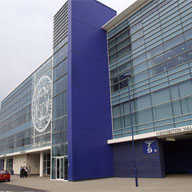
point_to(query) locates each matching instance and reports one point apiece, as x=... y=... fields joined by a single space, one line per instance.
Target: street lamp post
x=132 y=133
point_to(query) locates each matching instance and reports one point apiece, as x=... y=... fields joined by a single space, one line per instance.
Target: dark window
x=155 y=51
x=174 y=41
x=177 y=61
x=123 y=84
x=160 y=68
x=119 y=44
x=115 y=80
x=115 y=88
x=121 y=81
x=176 y=51
x=157 y=60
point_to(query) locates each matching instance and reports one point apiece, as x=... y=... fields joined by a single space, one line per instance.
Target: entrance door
x=66 y=168
x=1 y=164
x=178 y=156
x=61 y=168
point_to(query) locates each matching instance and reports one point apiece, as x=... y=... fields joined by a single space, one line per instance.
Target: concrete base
x=32 y=160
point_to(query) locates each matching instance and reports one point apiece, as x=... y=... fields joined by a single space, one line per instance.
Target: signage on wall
x=174 y=131
x=150 y=147
x=42 y=104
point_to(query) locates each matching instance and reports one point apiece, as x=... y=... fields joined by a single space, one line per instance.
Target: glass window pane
x=60 y=105
x=185 y=88
x=138 y=43
x=174 y=41
x=136 y=27
x=177 y=61
x=60 y=85
x=176 y=108
x=163 y=111
x=189 y=55
x=174 y=92
x=158 y=69
x=141 y=76
x=124 y=50
x=161 y=96
x=143 y=102
x=144 y=116
x=156 y=60
x=184 y=105
x=137 y=35
x=188 y=34
x=139 y=59
x=60 y=70
x=60 y=55
x=155 y=51
x=116 y=110
x=123 y=35
x=176 y=51
x=189 y=44
x=140 y=68
x=117 y=123
x=122 y=44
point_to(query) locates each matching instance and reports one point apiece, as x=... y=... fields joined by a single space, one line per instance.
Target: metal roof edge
x=127 y=12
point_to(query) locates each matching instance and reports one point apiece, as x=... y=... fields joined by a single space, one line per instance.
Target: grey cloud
x=26 y=37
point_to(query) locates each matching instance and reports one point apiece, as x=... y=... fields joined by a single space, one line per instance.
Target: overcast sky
x=26 y=37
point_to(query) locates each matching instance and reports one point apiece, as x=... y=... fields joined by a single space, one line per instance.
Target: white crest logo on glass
x=42 y=104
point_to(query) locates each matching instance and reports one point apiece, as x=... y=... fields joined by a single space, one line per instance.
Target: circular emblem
x=42 y=104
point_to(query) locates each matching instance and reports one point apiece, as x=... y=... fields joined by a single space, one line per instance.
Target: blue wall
x=89 y=125
x=148 y=165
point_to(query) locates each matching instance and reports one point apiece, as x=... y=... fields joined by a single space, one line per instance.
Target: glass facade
x=46 y=163
x=60 y=113
x=35 y=114
x=1 y=164
x=151 y=51
x=9 y=166
x=18 y=130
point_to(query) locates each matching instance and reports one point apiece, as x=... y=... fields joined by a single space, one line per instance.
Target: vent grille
x=60 y=28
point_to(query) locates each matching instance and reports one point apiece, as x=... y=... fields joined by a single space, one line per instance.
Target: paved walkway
x=172 y=183
x=5 y=188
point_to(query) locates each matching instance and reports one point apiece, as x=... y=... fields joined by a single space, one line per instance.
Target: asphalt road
x=8 y=187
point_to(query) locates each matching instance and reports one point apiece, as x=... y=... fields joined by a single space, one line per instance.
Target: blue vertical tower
x=89 y=114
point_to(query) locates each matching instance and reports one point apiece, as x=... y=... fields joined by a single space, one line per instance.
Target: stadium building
x=150 y=60
x=109 y=76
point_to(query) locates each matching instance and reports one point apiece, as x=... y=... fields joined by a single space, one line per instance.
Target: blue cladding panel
x=92 y=45
x=148 y=165
x=91 y=13
x=88 y=87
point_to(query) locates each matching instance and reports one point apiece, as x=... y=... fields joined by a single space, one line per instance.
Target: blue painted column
x=89 y=114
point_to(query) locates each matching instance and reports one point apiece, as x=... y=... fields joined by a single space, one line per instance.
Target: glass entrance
x=1 y=164
x=9 y=166
x=61 y=168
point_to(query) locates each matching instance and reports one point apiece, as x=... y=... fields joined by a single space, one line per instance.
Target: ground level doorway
x=178 y=155
x=61 y=168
